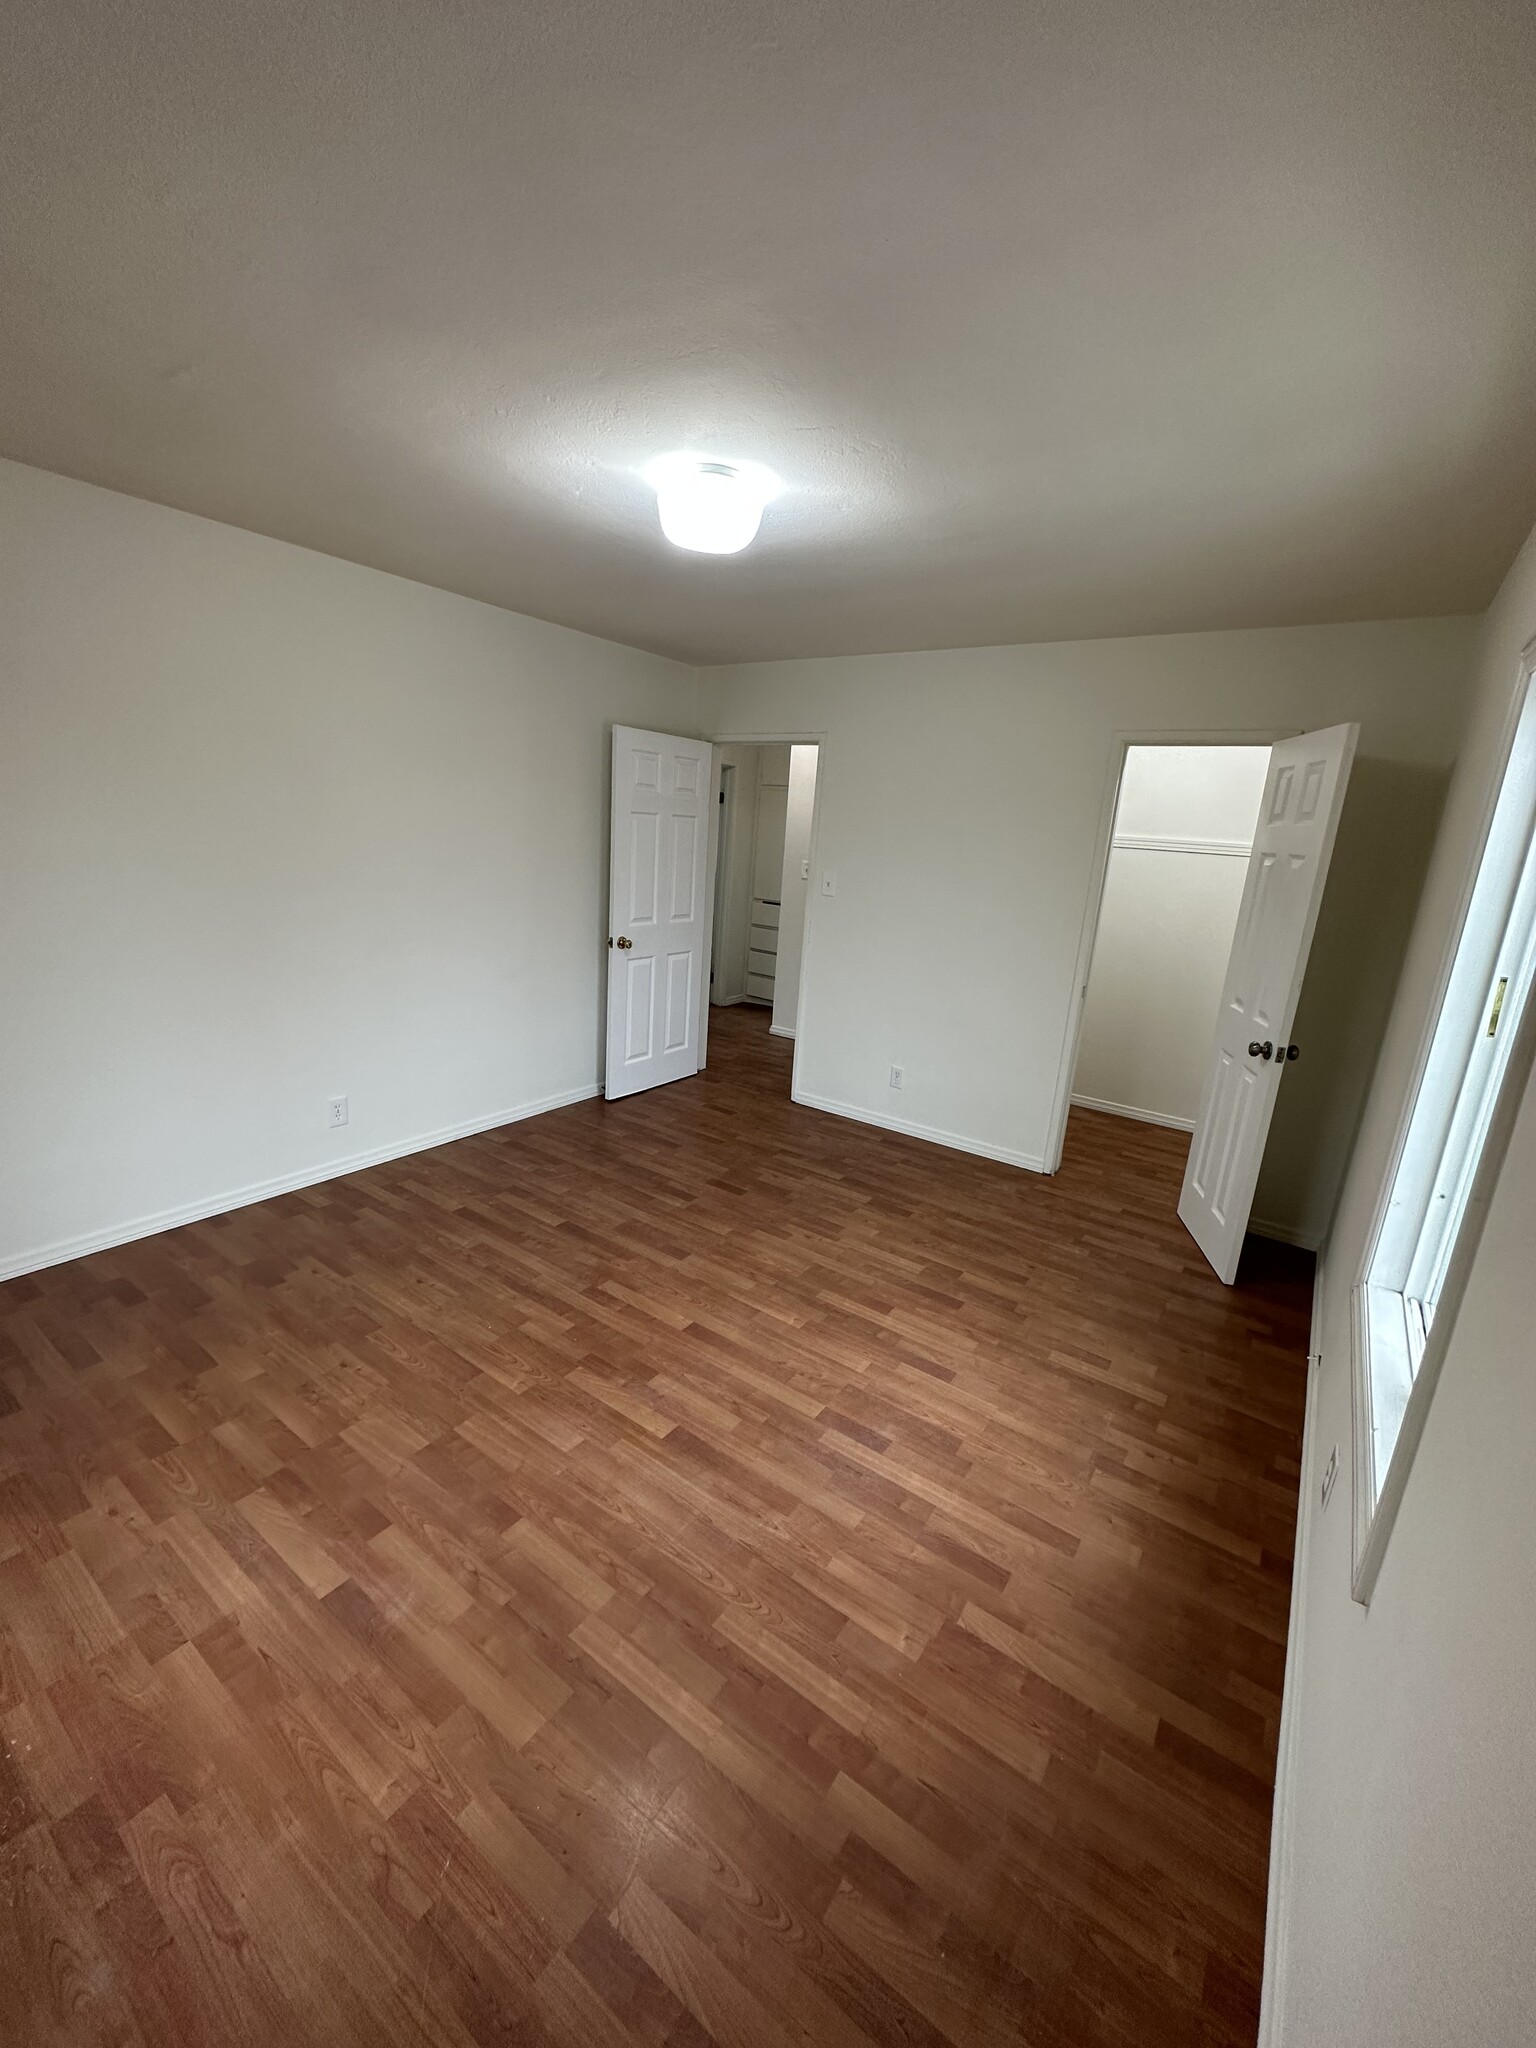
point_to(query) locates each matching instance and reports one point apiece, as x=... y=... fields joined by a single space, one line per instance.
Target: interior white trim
x=1284 y=1233
x=722 y=814
x=927 y=1132
x=63 y=1249
x=778 y=738
x=1282 y=1814
x=780 y=1031
x=1140 y=1116
x=1163 y=842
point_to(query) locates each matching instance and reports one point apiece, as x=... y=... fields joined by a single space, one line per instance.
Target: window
x=1449 y=1152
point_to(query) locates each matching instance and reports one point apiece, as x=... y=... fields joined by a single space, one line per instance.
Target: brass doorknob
x=1255 y=1050
x=624 y=944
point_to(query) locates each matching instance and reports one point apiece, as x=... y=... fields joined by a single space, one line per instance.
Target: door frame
x=724 y=801
x=797 y=738
x=1121 y=741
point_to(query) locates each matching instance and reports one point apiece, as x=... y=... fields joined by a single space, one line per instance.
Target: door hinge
x=1498 y=1004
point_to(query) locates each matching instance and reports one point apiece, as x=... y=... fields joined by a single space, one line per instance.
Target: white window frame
x=1450 y=1145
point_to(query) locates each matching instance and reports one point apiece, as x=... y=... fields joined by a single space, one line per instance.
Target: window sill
x=1396 y=1363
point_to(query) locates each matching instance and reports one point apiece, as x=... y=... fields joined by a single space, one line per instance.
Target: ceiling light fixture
x=708 y=506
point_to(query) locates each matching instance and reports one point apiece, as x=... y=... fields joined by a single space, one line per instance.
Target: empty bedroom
x=767 y=937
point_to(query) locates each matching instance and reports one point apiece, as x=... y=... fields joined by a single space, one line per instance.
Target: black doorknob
x=1260 y=1052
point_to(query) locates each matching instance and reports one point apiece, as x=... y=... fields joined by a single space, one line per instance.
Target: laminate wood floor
x=683 y=1570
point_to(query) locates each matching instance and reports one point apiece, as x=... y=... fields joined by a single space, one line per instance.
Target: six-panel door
x=1292 y=846
x=658 y=913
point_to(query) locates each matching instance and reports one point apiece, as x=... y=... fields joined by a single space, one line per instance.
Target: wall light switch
x=338 y=1115
x=805 y=871
x=828 y=882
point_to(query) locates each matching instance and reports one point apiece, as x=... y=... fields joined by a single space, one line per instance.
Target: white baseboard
x=780 y=1031
x=64 y=1249
x=1282 y=1822
x=1140 y=1116
x=1284 y=1233
x=930 y=1136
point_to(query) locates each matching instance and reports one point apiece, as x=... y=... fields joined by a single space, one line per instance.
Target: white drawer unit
x=762 y=948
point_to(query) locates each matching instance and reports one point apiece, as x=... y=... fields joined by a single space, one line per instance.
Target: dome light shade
x=709 y=506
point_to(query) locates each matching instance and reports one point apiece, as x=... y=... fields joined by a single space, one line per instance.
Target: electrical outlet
x=898 y=1077
x=1330 y=1473
x=338 y=1115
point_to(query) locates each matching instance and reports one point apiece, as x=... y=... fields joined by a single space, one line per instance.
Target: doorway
x=685 y=893
x=1152 y=932
x=765 y=811
x=1173 y=884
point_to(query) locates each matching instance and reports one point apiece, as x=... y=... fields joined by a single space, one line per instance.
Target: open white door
x=658 y=907
x=1298 y=819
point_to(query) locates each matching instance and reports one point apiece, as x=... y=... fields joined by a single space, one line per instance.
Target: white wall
x=772 y=812
x=963 y=795
x=1172 y=890
x=1208 y=795
x=734 y=876
x=767 y=872
x=274 y=827
x=793 y=888
x=1404 y=1884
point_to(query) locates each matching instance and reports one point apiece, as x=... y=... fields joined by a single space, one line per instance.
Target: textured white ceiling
x=1070 y=318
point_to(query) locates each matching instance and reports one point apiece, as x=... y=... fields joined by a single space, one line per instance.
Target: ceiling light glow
x=709 y=506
